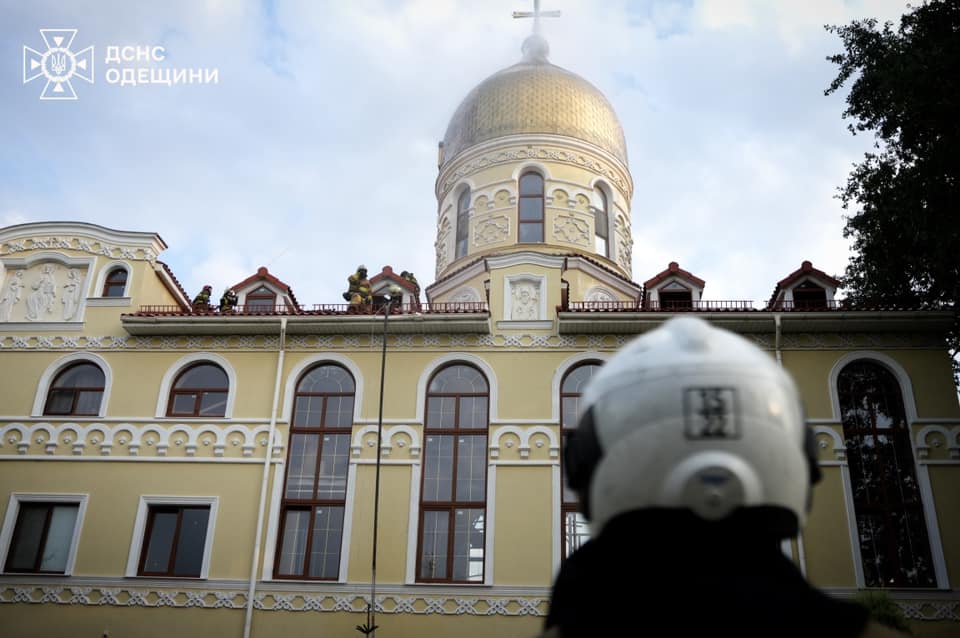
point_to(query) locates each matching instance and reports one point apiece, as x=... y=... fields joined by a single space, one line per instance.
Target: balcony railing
x=655 y=306
x=259 y=310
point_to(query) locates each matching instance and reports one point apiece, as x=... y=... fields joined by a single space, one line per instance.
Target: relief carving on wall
x=33 y=294
x=441 y=244
x=624 y=244
x=465 y=295
x=599 y=294
x=571 y=229
x=525 y=300
x=491 y=230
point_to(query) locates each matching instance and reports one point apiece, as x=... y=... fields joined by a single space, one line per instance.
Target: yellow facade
x=520 y=314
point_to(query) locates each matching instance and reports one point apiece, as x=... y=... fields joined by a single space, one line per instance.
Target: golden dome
x=534 y=96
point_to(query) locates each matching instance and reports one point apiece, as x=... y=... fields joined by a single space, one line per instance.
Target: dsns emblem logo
x=58 y=64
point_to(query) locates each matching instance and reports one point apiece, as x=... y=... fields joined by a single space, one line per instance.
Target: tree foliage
x=905 y=195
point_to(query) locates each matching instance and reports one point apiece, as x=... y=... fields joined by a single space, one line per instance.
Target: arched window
x=602 y=225
x=315 y=489
x=463 y=223
x=894 y=545
x=453 y=494
x=76 y=391
x=574 y=531
x=530 y=224
x=261 y=300
x=200 y=391
x=116 y=282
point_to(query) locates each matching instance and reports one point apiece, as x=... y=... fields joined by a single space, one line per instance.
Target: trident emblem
x=58 y=64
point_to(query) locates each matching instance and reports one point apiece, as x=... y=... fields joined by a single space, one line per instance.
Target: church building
x=179 y=466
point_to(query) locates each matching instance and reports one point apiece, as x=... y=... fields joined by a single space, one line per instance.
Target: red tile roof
x=806 y=268
x=674 y=269
x=387 y=273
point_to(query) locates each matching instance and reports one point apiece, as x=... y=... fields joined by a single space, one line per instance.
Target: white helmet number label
x=710 y=413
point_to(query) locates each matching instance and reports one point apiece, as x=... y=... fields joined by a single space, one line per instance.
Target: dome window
x=530 y=226
x=463 y=223
x=602 y=226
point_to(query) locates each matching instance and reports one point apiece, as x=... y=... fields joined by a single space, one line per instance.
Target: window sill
x=109 y=302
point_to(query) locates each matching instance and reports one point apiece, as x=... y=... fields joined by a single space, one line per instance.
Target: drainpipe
x=255 y=558
x=776 y=340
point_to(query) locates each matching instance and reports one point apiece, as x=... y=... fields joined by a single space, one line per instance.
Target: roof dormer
x=673 y=289
x=805 y=289
x=262 y=292
x=381 y=282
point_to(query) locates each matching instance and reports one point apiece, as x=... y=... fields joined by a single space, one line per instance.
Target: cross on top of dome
x=535 y=47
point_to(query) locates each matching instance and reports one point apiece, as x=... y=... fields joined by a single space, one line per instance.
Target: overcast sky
x=317 y=148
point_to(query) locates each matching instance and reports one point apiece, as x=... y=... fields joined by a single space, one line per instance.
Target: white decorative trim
x=524 y=325
x=139 y=528
x=906 y=388
x=346 y=533
x=460 y=600
x=273 y=522
x=524 y=435
x=293 y=378
x=78 y=264
x=413 y=524
x=386 y=445
x=933 y=526
x=839 y=449
x=561 y=371
x=556 y=515
x=456 y=357
x=608 y=279
x=446 y=285
x=97 y=291
x=43 y=386
x=13 y=511
x=525 y=258
x=490 y=524
x=951 y=437
x=104 y=437
x=81 y=236
x=109 y=302
x=853 y=534
x=167 y=382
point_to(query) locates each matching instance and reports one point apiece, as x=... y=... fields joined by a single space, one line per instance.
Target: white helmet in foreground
x=692 y=417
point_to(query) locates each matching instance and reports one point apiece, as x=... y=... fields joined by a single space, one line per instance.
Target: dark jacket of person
x=670 y=573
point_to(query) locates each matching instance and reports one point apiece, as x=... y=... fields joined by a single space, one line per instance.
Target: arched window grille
x=574 y=531
x=894 y=545
x=453 y=494
x=315 y=487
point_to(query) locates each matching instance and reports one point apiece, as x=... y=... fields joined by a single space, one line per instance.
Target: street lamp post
x=370 y=628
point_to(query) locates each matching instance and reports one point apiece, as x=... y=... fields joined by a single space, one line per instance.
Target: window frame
x=602 y=212
x=200 y=392
x=571 y=506
x=902 y=443
x=52 y=387
x=140 y=531
x=453 y=504
x=53 y=371
x=110 y=282
x=12 y=516
x=541 y=222
x=463 y=225
x=310 y=505
x=251 y=299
